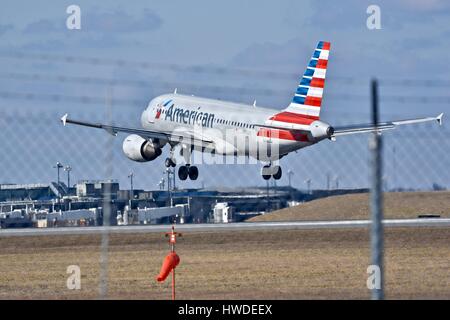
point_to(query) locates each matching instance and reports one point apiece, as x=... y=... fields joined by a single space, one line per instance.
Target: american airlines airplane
x=222 y=128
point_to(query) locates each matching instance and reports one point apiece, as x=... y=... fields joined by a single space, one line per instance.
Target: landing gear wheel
x=183 y=172
x=169 y=163
x=266 y=173
x=193 y=173
x=278 y=172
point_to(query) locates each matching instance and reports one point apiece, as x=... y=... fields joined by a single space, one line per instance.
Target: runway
x=242 y=226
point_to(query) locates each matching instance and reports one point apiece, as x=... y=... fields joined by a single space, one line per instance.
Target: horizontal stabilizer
x=64 y=119
x=363 y=128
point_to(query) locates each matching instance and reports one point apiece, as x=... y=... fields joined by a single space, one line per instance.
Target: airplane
x=233 y=129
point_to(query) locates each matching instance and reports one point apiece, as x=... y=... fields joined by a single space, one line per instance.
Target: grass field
x=356 y=206
x=288 y=264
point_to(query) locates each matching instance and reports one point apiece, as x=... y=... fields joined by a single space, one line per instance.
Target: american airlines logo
x=187 y=116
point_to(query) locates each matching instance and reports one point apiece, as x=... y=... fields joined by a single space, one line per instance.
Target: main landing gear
x=188 y=171
x=269 y=171
x=184 y=172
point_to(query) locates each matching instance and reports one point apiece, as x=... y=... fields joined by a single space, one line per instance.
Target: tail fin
x=308 y=97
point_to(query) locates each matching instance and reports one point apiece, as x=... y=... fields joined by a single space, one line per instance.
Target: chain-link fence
x=33 y=139
x=37 y=89
x=415 y=157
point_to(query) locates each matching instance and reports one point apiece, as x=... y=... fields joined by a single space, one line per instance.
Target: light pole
x=328 y=181
x=58 y=166
x=68 y=169
x=173 y=176
x=336 y=182
x=290 y=174
x=394 y=181
x=384 y=180
x=168 y=185
x=131 y=175
x=308 y=183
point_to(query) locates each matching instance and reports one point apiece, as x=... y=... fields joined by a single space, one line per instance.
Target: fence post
x=376 y=195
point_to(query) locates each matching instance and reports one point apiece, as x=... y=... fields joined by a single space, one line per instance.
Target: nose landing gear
x=170 y=163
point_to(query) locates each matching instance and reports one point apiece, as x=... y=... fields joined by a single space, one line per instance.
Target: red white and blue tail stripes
x=305 y=106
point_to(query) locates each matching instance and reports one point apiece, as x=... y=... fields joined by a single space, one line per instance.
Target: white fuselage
x=232 y=126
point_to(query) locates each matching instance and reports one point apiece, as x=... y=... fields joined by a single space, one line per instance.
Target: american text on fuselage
x=234 y=133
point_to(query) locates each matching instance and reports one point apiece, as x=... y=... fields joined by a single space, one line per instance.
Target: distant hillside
x=356 y=206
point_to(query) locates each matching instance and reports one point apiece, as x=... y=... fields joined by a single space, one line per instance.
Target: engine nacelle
x=321 y=130
x=139 y=149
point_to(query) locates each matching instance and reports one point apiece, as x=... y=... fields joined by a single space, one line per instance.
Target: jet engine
x=139 y=149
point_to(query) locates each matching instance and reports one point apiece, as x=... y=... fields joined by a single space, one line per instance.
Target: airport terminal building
x=91 y=202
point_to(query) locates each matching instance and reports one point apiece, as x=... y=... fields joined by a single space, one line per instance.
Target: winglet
x=64 y=119
x=439 y=119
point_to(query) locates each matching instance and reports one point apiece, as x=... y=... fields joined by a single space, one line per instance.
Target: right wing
x=175 y=137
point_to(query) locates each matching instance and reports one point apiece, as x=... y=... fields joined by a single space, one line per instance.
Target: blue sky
x=271 y=36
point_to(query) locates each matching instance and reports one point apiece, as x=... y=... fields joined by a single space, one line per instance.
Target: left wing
x=363 y=128
x=176 y=137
